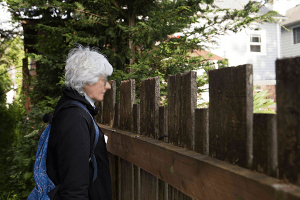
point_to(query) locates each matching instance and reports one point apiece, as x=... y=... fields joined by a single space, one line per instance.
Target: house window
x=255 y=43
x=296 y=34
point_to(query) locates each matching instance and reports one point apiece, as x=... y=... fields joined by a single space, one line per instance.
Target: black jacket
x=70 y=143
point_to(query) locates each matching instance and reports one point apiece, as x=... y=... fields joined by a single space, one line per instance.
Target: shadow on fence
x=214 y=153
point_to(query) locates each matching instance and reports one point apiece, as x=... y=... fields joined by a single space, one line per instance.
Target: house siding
x=288 y=48
x=235 y=48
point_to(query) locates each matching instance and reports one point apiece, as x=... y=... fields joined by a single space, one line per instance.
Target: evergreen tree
x=132 y=34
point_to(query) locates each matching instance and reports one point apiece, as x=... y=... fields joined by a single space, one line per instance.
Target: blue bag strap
x=92 y=158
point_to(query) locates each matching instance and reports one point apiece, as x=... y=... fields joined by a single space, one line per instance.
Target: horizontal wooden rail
x=196 y=175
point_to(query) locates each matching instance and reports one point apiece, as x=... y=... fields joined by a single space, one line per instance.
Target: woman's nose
x=108 y=86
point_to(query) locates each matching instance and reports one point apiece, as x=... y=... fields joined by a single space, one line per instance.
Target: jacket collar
x=71 y=94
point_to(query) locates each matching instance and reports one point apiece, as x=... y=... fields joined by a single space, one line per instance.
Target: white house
x=260 y=47
x=290 y=39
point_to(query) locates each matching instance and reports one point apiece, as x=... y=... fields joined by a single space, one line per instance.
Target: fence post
x=231 y=114
x=109 y=102
x=127 y=98
x=265 y=152
x=288 y=117
x=150 y=96
x=201 y=131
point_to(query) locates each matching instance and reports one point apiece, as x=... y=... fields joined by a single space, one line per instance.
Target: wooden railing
x=223 y=152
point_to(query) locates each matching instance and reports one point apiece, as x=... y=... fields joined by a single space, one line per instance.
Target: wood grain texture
x=265 y=152
x=288 y=117
x=163 y=123
x=201 y=131
x=127 y=98
x=149 y=113
x=163 y=131
x=109 y=105
x=182 y=91
x=196 y=175
x=149 y=106
x=127 y=180
x=99 y=116
x=182 y=101
x=114 y=174
x=116 y=123
x=137 y=170
x=231 y=114
x=149 y=186
x=136 y=118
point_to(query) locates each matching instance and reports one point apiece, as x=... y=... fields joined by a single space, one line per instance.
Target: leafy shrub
x=261 y=103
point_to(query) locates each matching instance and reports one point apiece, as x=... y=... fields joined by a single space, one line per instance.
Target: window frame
x=262 y=42
x=292 y=32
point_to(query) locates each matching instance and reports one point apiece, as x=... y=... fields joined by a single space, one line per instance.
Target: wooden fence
x=223 y=152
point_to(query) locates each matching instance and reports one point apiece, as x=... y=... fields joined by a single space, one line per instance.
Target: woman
x=73 y=133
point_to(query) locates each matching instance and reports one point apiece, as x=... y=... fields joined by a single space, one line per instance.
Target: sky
x=281 y=6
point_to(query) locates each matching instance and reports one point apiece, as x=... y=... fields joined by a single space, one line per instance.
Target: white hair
x=85 y=65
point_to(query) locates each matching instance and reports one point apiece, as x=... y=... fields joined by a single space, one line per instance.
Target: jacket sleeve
x=73 y=151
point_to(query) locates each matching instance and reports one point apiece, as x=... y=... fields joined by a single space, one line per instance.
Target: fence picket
x=137 y=170
x=127 y=98
x=149 y=108
x=109 y=102
x=201 y=131
x=163 y=131
x=99 y=116
x=182 y=101
x=288 y=117
x=265 y=144
x=231 y=114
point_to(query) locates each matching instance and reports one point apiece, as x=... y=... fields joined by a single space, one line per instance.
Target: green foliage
x=261 y=103
x=17 y=160
x=11 y=52
x=134 y=35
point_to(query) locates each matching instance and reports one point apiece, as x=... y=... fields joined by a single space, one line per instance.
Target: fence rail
x=223 y=152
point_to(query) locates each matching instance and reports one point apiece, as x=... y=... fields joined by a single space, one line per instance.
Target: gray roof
x=293 y=16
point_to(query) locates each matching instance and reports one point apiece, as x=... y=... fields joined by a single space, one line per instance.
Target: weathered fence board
x=136 y=118
x=288 y=117
x=149 y=101
x=265 y=144
x=196 y=175
x=163 y=123
x=163 y=134
x=201 y=131
x=127 y=98
x=231 y=114
x=149 y=113
x=99 y=116
x=109 y=105
x=137 y=170
x=182 y=101
x=127 y=180
x=113 y=172
x=116 y=123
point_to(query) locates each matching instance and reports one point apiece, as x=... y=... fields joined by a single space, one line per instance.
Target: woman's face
x=96 y=91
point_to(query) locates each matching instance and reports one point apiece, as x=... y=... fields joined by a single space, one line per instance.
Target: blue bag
x=43 y=184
